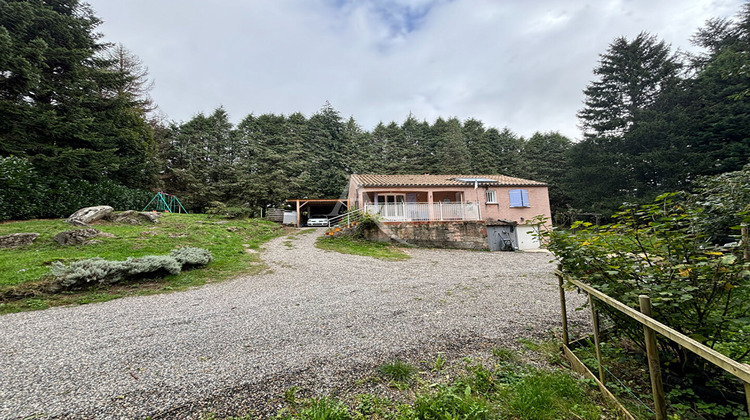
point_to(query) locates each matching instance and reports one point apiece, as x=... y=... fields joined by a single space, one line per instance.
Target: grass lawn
x=349 y=245
x=233 y=243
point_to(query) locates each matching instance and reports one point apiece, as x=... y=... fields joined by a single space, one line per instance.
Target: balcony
x=424 y=212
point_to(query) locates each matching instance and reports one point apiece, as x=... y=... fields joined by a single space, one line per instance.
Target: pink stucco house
x=505 y=205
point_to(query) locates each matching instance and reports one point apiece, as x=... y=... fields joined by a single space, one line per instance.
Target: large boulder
x=128 y=216
x=88 y=215
x=77 y=236
x=152 y=217
x=15 y=240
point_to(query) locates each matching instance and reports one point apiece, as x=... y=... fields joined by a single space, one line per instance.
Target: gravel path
x=313 y=316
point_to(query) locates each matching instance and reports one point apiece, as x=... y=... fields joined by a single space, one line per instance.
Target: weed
x=439 y=363
x=326 y=408
x=290 y=395
x=504 y=354
x=450 y=402
x=397 y=370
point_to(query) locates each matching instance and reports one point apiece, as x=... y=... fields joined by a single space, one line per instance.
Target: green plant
x=325 y=408
x=290 y=395
x=191 y=256
x=451 y=402
x=397 y=370
x=544 y=395
x=439 y=363
x=505 y=354
x=698 y=288
x=97 y=270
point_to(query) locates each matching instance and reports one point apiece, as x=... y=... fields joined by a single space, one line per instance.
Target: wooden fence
x=650 y=328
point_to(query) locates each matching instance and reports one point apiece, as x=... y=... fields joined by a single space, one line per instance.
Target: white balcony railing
x=423 y=212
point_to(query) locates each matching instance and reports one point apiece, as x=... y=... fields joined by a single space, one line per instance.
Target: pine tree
x=451 y=152
x=56 y=97
x=631 y=75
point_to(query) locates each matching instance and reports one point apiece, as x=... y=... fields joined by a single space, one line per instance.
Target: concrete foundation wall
x=461 y=235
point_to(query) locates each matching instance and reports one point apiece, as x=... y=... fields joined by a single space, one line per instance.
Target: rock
x=150 y=216
x=129 y=216
x=88 y=215
x=77 y=236
x=17 y=239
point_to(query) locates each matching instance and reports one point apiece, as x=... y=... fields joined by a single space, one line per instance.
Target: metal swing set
x=167 y=203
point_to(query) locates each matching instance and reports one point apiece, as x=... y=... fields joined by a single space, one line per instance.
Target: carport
x=302 y=203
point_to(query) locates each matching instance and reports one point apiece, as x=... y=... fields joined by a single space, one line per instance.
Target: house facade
x=505 y=205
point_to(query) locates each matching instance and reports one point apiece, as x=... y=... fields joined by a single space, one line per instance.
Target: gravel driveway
x=312 y=317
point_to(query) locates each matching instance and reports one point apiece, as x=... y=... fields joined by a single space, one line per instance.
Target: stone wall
x=461 y=235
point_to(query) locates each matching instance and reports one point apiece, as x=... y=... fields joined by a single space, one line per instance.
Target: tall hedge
x=24 y=194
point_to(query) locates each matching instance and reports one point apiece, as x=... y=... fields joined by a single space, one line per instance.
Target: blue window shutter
x=519 y=198
x=516 y=198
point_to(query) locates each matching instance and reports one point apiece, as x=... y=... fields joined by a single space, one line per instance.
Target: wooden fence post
x=745 y=245
x=653 y=361
x=595 y=323
x=747 y=396
x=563 y=309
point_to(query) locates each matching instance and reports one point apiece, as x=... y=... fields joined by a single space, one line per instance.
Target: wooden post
x=653 y=361
x=299 y=216
x=747 y=396
x=564 y=311
x=745 y=248
x=595 y=323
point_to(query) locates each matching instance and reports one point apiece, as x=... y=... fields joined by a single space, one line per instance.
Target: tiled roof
x=370 y=180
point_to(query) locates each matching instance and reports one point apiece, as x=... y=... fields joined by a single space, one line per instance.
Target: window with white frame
x=491 y=196
x=519 y=198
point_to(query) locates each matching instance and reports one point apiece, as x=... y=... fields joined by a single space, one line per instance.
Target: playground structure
x=167 y=203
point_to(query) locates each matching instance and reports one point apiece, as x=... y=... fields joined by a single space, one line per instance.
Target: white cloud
x=517 y=64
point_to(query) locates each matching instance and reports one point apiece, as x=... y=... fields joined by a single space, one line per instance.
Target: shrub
x=99 y=271
x=218 y=208
x=96 y=270
x=700 y=289
x=191 y=256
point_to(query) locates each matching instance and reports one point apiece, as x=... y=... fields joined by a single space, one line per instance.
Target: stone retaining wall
x=461 y=235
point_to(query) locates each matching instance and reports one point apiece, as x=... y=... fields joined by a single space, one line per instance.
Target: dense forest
x=78 y=128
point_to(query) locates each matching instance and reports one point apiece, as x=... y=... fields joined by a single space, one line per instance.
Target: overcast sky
x=516 y=64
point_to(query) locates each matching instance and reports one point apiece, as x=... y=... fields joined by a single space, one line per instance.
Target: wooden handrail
x=740 y=370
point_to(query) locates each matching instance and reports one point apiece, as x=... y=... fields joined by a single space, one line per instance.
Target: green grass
x=508 y=389
x=26 y=269
x=349 y=245
x=397 y=370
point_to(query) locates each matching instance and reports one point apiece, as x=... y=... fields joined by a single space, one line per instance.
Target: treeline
x=77 y=114
x=266 y=159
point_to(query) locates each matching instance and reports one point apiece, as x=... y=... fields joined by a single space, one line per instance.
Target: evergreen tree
x=631 y=75
x=327 y=138
x=506 y=147
x=483 y=156
x=545 y=158
x=451 y=152
x=56 y=97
